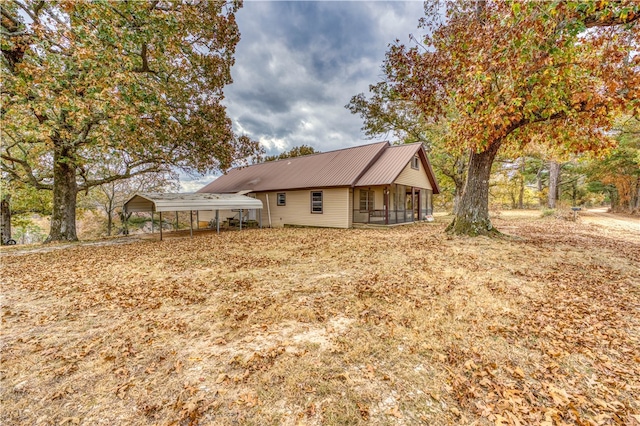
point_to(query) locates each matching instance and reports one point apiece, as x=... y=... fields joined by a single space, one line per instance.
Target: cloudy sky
x=299 y=62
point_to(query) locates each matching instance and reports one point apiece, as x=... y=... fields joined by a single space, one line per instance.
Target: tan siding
x=335 y=208
x=413 y=177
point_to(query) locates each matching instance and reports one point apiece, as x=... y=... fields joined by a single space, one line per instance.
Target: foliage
x=618 y=173
x=500 y=72
x=135 y=83
x=26 y=230
x=384 y=113
x=338 y=326
x=296 y=151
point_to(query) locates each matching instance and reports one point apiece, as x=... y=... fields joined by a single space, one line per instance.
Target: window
x=316 y=202
x=281 y=199
x=366 y=200
x=415 y=163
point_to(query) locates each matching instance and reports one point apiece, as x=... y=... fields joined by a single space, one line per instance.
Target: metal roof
x=366 y=165
x=164 y=202
x=392 y=162
x=328 y=169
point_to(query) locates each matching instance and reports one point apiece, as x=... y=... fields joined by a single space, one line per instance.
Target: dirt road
x=616 y=221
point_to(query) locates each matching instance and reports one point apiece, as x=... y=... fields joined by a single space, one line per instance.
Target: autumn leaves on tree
x=503 y=74
x=88 y=84
x=139 y=84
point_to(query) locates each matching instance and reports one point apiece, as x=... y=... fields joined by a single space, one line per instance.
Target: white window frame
x=415 y=162
x=321 y=201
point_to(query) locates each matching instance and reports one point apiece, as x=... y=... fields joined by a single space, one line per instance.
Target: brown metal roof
x=365 y=165
x=328 y=169
x=390 y=164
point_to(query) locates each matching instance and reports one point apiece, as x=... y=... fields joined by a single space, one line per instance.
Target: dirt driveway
x=612 y=221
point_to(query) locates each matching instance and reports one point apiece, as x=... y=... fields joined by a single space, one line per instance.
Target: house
x=376 y=183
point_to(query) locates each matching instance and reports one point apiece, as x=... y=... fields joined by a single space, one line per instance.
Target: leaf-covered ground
x=396 y=326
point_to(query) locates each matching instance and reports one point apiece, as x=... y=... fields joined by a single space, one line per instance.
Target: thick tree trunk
x=554 y=180
x=65 y=191
x=5 y=219
x=472 y=217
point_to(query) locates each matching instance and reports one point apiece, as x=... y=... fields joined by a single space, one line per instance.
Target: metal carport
x=166 y=202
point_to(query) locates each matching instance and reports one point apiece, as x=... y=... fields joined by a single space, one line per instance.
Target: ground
x=396 y=326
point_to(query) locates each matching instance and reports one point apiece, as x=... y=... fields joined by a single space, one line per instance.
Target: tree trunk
x=460 y=167
x=109 y=223
x=554 y=180
x=457 y=196
x=634 y=202
x=65 y=190
x=472 y=217
x=5 y=219
x=539 y=183
x=521 y=192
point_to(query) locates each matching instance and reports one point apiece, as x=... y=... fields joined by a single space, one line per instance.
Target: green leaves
x=128 y=77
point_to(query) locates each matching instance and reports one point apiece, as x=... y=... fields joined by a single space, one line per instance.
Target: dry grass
x=310 y=326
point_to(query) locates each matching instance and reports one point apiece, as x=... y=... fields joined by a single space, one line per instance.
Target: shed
x=171 y=202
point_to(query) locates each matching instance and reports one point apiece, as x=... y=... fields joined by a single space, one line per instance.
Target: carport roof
x=163 y=202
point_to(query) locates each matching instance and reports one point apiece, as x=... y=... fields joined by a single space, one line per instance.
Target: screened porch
x=391 y=204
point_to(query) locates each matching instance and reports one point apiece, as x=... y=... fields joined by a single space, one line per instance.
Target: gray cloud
x=299 y=63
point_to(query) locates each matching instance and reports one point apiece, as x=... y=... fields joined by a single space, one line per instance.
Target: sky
x=298 y=64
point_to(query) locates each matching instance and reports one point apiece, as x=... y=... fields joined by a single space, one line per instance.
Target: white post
x=218 y=220
x=268 y=208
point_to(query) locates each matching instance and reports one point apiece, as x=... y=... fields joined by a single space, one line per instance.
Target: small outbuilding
x=165 y=202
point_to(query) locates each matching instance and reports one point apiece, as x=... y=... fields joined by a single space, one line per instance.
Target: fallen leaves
x=376 y=329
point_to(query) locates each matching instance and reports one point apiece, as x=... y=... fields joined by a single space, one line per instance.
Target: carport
x=165 y=202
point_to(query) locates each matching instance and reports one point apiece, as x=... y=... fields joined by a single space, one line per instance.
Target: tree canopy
x=140 y=84
x=296 y=151
x=503 y=74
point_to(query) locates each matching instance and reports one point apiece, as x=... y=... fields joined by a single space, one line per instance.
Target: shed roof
x=328 y=169
x=164 y=202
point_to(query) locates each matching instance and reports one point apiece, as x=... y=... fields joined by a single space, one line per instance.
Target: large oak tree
x=512 y=72
x=139 y=82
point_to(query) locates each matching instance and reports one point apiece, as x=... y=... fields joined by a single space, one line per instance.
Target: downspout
x=268 y=208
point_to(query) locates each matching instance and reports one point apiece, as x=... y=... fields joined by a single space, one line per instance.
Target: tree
x=5 y=218
x=618 y=173
x=385 y=112
x=510 y=69
x=87 y=82
x=111 y=196
x=296 y=151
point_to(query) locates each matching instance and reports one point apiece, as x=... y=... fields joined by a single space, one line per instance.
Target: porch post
x=386 y=205
x=197 y=219
x=152 y=217
x=177 y=223
x=191 y=223
x=218 y=221
x=241 y=219
x=413 y=204
x=160 y=226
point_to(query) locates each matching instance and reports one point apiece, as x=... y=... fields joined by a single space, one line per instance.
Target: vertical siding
x=297 y=211
x=413 y=177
